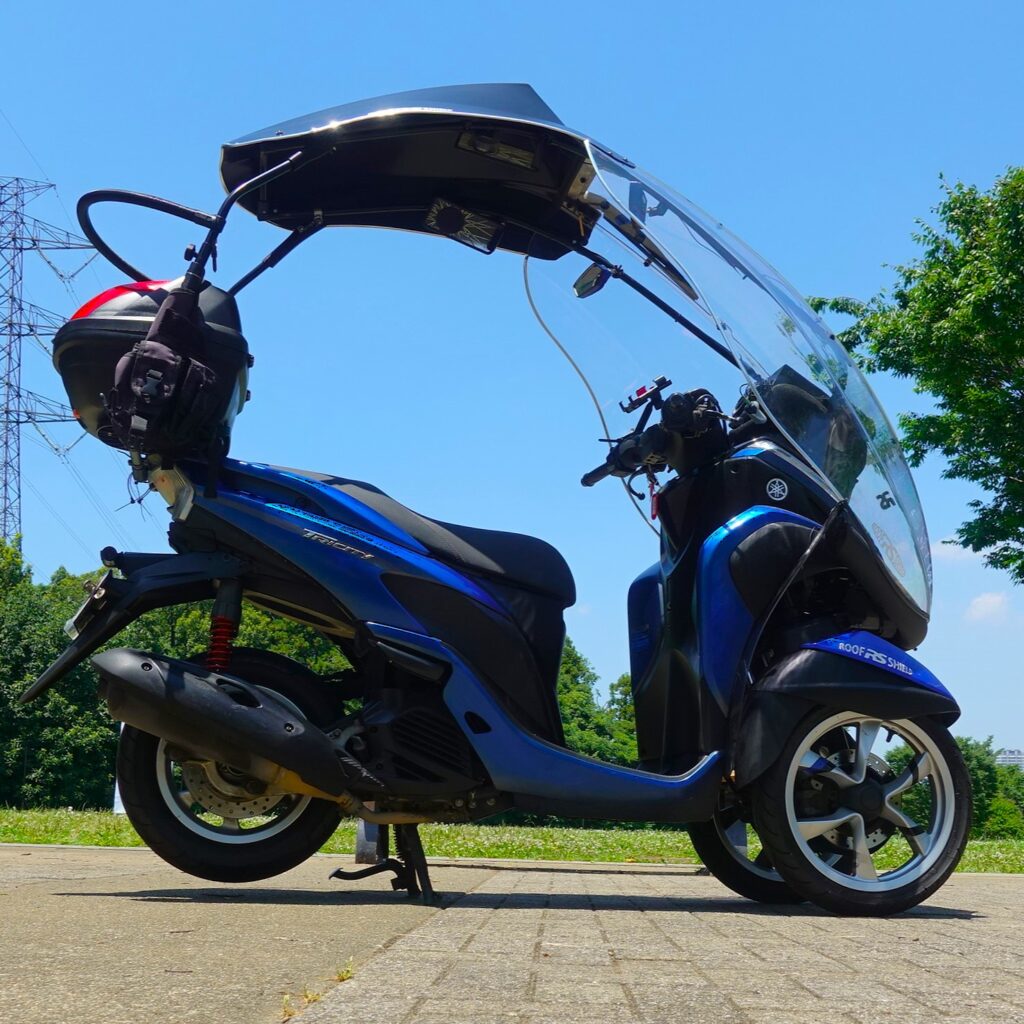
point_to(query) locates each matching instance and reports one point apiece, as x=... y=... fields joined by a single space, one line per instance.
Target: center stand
x=410 y=867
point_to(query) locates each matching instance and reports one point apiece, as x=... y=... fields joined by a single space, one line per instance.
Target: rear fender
x=163 y=581
x=857 y=672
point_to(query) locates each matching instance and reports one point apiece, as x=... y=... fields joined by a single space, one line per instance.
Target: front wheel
x=730 y=849
x=865 y=816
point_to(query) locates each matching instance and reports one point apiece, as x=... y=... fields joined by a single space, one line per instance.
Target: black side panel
x=496 y=649
x=908 y=624
x=760 y=564
x=541 y=620
x=809 y=678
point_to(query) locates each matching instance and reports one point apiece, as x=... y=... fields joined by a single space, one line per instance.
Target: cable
x=24 y=145
x=586 y=383
x=67 y=216
x=57 y=516
x=112 y=524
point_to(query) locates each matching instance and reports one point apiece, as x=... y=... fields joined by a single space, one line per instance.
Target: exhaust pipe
x=219 y=717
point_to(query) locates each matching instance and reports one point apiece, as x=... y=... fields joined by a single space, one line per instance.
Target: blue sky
x=815 y=131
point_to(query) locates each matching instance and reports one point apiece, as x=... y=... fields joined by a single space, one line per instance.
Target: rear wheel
x=862 y=815
x=731 y=850
x=212 y=821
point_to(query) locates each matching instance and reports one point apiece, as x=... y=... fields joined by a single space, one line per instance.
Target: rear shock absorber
x=224 y=622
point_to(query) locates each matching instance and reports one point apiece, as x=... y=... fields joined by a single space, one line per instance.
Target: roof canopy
x=489 y=165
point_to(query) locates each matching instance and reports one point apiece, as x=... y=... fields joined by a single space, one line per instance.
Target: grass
x=649 y=846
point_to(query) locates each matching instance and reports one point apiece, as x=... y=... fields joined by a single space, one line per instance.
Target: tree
x=622 y=718
x=590 y=728
x=954 y=323
x=1005 y=820
x=1010 y=783
x=980 y=759
x=59 y=750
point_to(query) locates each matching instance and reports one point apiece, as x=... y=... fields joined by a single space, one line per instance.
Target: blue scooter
x=778 y=712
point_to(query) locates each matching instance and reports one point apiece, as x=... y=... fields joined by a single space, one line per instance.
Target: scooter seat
x=513 y=559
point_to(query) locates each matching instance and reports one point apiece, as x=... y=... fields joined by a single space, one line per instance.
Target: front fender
x=857 y=672
x=161 y=581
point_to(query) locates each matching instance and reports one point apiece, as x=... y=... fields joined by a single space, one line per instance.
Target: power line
x=24 y=146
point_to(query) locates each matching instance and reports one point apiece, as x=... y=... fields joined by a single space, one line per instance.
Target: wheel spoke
x=231 y=825
x=919 y=839
x=867 y=733
x=811 y=828
x=823 y=768
x=864 y=866
x=919 y=768
x=736 y=834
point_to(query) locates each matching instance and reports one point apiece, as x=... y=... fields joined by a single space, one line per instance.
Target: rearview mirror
x=591 y=281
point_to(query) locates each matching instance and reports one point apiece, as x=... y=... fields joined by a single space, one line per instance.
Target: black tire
x=756 y=879
x=833 y=880
x=139 y=764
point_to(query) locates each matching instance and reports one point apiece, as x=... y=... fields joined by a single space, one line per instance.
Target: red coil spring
x=222 y=636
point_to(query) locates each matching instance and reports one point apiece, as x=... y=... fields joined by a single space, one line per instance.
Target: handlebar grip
x=596 y=475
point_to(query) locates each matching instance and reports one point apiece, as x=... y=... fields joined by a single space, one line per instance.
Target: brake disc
x=209 y=788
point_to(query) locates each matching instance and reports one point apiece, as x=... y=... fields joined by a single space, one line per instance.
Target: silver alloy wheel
x=192 y=790
x=864 y=795
x=736 y=839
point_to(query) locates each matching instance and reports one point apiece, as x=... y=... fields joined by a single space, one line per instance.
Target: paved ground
x=103 y=936
x=556 y=946
x=114 y=935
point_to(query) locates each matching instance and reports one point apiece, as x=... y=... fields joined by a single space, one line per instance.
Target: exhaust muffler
x=217 y=717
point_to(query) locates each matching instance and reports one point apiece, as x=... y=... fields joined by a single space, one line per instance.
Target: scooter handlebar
x=597 y=475
x=627 y=456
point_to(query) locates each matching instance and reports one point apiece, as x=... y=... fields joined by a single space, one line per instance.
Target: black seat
x=509 y=558
x=526 y=575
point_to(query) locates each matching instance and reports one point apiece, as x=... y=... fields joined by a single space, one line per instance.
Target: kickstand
x=410 y=869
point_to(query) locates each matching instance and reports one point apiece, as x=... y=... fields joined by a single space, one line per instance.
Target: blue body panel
x=646 y=614
x=724 y=623
x=347 y=508
x=347 y=553
x=520 y=763
x=873 y=650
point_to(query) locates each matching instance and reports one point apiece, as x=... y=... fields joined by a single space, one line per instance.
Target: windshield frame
x=820 y=351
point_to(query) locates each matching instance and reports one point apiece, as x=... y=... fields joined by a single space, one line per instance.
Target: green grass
x=650 y=846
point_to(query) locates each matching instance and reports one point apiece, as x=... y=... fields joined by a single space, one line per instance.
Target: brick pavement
x=574 y=946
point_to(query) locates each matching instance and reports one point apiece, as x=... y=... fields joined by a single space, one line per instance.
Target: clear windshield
x=803 y=378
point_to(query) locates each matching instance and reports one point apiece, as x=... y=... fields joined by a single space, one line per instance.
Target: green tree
x=980 y=759
x=589 y=728
x=954 y=323
x=622 y=718
x=1010 y=783
x=1005 y=820
x=59 y=750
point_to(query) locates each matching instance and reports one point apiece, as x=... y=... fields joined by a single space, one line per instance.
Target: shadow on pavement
x=709 y=905
x=275 y=897
x=504 y=901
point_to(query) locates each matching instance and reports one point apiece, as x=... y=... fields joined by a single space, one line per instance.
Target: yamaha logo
x=777 y=489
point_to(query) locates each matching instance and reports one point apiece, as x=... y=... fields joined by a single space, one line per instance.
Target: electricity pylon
x=20 y=320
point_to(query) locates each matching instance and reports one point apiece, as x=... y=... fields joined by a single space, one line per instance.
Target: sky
x=817 y=132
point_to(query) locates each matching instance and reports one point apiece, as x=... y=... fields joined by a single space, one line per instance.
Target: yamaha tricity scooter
x=778 y=712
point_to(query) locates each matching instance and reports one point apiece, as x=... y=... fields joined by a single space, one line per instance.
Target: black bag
x=165 y=398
